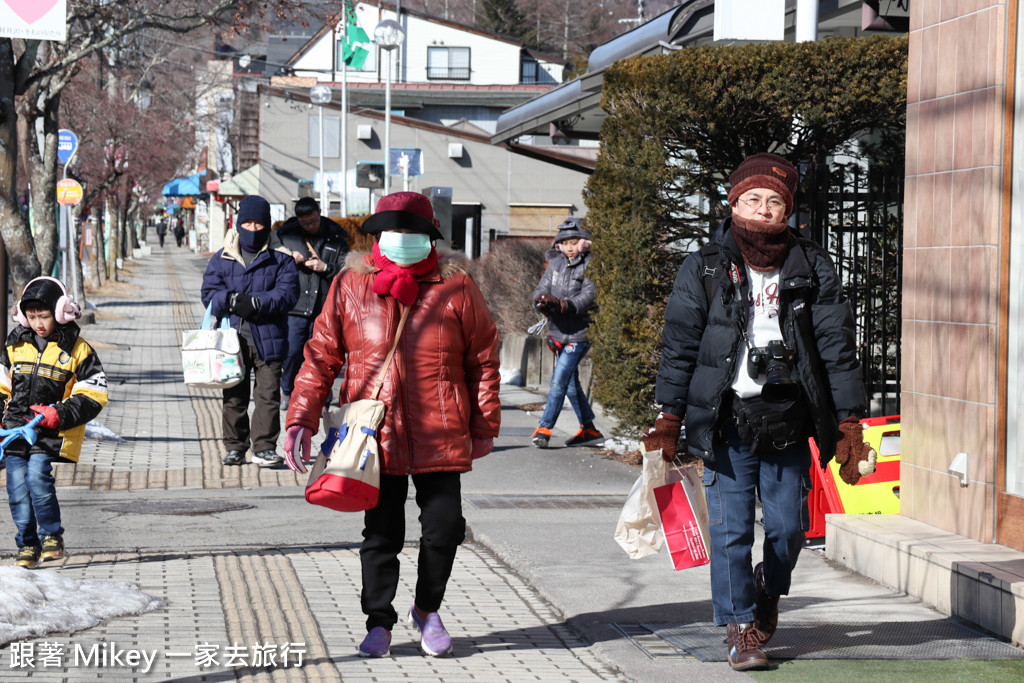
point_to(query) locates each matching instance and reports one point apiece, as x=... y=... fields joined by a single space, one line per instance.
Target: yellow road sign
x=69 y=192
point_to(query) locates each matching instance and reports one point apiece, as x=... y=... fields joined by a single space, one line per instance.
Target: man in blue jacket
x=256 y=285
x=758 y=354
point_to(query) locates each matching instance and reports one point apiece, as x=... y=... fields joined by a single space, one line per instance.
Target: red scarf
x=763 y=245
x=400 y=282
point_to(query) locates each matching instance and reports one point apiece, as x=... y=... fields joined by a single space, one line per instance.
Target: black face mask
x=253 y=240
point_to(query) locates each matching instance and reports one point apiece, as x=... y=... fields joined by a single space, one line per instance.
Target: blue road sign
x=414 y=157
x=67 y=145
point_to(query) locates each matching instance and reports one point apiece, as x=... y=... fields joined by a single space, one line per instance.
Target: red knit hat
x=769 y=171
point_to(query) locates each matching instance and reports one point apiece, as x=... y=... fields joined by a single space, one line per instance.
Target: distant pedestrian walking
x=441 y=393
x=318 y=245
x=46 y=370
x=566 y=296
x=161 y=230
x=256 y=285
x=179 y=230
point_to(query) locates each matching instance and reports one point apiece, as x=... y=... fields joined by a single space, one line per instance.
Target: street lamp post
x=320 y=95
x=388 y=34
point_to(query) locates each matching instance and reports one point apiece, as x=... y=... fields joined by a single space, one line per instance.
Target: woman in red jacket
x=441 y=393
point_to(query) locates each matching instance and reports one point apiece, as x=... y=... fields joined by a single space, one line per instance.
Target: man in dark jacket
x=254 y=283
x=757 y=359
x=567 y=296
x=318 y=245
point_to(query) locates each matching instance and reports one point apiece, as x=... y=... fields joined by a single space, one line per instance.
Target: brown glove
x=566 y=306
x=856 y=459
x=546 y=304
x=663 y=435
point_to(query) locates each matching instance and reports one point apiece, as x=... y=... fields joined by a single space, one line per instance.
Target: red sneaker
x=586 y=437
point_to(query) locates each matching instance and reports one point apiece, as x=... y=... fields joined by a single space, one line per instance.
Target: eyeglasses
x=773 y=204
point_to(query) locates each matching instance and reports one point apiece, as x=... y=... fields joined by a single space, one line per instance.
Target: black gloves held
x=243 y=305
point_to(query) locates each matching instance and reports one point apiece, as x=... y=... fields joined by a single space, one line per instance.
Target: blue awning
x=184 y=187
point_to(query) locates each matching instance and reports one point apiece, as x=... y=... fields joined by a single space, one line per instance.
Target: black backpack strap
x=710 y=269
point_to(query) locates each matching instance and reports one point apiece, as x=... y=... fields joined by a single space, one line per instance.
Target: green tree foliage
x=677 y=125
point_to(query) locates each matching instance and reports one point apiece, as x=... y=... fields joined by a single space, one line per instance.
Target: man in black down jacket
x=318 y=245
x=775 y=297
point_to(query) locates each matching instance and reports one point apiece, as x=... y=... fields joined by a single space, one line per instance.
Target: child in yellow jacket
x=47 y=370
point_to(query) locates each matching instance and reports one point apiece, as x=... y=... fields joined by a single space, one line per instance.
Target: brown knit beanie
x=769 y=171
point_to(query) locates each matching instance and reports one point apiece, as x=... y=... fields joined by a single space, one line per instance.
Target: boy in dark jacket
x=46 y=370
x=318 y=246
x=566 y=296
x=255 y=284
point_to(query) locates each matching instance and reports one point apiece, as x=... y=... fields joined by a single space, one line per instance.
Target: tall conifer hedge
x=678 y=124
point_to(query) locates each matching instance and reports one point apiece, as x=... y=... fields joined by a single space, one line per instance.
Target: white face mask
x=404 y=248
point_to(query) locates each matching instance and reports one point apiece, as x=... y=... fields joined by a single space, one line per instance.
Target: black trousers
x=443 y=528
x=265 y=426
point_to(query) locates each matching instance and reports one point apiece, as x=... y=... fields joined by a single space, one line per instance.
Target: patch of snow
x=621 y=446
x=36 y=602
x=95 y=430
x=511 y=376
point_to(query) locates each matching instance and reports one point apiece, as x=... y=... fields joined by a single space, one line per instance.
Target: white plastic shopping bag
x=211 y=358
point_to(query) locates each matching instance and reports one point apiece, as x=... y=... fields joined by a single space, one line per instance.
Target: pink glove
x=303 y=436
x=481 y=447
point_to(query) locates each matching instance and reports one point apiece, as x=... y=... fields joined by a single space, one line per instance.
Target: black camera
x=776 y=362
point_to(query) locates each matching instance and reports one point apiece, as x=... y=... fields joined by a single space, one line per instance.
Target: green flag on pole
x=353 y=50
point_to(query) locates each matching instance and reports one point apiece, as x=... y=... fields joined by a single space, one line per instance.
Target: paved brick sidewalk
x=235 y=608
x=230 y=611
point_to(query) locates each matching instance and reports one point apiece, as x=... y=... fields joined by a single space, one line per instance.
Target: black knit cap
x=43 y=292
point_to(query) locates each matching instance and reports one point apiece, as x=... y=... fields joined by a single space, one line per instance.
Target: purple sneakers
x=435 y=641
x=377 y=643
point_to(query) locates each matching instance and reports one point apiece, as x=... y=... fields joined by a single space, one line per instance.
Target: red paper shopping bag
x=684 y=518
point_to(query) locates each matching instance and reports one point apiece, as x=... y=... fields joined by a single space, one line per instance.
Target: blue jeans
x=565 y=381
x=32 y=497
x=784 y=480
x=299 y=331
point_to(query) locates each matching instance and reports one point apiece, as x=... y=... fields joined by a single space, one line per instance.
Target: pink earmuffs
x=64 y=311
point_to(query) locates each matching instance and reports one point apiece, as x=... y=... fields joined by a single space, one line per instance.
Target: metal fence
x=857 y=215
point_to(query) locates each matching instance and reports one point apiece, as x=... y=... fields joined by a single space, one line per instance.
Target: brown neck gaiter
x=762 y=245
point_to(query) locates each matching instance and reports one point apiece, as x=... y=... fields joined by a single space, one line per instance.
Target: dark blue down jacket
x=272 y=277
x=701 y=343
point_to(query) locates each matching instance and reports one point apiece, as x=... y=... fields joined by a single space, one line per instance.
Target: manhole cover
x=178 y=507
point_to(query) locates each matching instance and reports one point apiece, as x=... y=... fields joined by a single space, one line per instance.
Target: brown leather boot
x=766 y=612
x=744 y=642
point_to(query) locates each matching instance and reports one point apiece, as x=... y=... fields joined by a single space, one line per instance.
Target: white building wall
x=492 y=61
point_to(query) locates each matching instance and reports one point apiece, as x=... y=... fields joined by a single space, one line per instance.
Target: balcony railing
x=448 y=73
